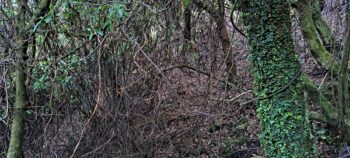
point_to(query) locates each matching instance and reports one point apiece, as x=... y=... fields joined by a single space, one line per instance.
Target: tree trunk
x=186 y=32
x=24 y=31
x=322 y=27
x=312 y=24
x=17 y=127
x=343 y=83
x=225 y=42
x=309 y=31
x=187 y=21
x=283 y=116
x=219 y=17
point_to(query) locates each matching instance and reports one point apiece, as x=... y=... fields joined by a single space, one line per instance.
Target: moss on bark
x=322 y=27
x=312 y=24
x=319 y=52
x=343 y=83
x=17 y=127
x=315 y=96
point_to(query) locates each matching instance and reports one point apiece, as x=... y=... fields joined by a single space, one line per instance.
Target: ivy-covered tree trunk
x=277 y=80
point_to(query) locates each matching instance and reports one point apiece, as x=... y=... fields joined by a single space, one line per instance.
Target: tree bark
x=187 y=20
x=309 y=31
x=312 y=24
x=325 y=32
x=186 y=32
x=343 y=84
x=17 y=126
x=283 y=116
x=226 y=43
x=219 y=17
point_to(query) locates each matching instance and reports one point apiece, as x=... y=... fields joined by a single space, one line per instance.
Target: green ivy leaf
x=186 y=3
x=91 y=34
x=99 y=32
x=48 y=19
x=120 y=11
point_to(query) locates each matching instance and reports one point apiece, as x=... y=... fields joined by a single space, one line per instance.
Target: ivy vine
x=283 y=118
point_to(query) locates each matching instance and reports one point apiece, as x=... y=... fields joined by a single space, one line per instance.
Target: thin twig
x=145 y=55
x=100 y=145
x=98 y=100
x=6 y=92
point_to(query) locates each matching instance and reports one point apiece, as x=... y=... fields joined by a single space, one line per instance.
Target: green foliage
x=283 y=118
x=64 y=73
x=47 y=18
x=236 y=139
x=229 y=148
x=98 y=20
x=321 y=134
x=186 y=3
x=214 y=127
x=41 y=83
x=231 y=144
x=194 y=58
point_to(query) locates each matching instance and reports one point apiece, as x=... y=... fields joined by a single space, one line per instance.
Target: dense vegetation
x=187 y=78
